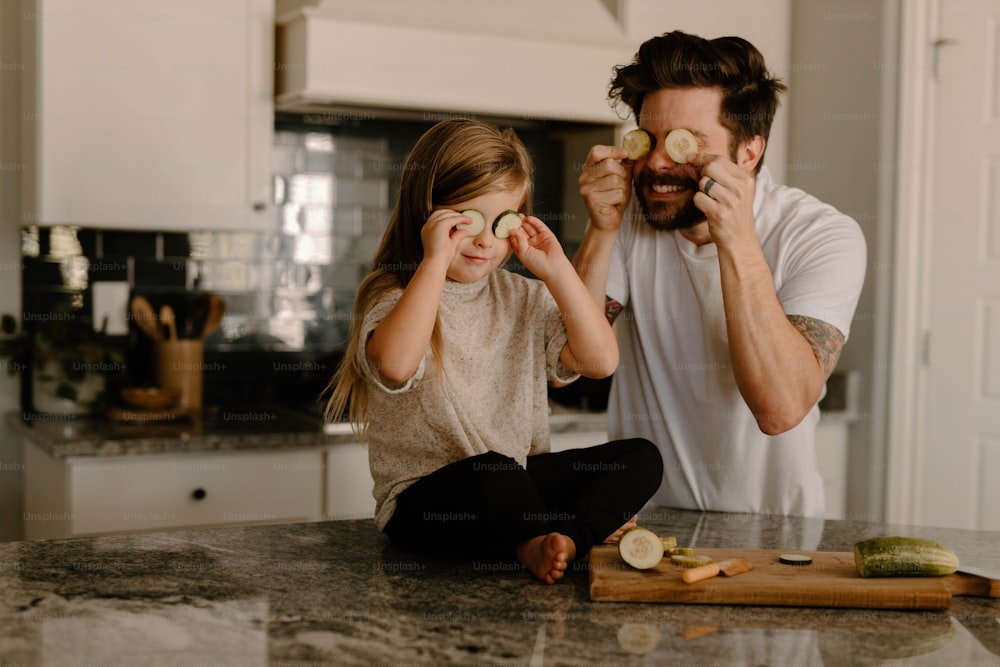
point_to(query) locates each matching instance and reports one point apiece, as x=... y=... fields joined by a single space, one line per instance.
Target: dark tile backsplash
x=288 y=290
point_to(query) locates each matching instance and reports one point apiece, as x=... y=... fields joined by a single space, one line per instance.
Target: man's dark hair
x=731 y=64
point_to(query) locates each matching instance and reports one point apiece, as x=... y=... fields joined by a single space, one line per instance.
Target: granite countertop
x=215 y=429
x=336 y=593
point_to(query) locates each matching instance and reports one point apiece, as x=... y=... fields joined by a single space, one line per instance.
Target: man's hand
x=606 y=186
x=728 y=206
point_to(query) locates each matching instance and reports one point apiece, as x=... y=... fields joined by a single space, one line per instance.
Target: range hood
x=326 y=63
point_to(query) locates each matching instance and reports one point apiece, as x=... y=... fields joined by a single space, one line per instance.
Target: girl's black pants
x=483 y=506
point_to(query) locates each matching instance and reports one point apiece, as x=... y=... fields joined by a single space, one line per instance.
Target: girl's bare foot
x=547 y=556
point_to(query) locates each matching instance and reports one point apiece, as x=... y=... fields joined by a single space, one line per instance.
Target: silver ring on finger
x=708 y=186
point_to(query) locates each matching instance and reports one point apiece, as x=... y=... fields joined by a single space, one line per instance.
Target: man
x=736 y=293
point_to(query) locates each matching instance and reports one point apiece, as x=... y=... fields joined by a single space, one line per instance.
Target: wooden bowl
x=151 y=398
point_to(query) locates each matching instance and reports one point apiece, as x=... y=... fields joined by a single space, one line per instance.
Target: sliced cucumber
x=478 y=224
x=682 y=551
x=505 y=222
x=690 y=561
x=795 y=559
x=679 y=144
x=641 y=548
x=637 y=143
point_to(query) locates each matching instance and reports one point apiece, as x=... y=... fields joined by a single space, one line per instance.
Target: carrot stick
x=734 y=566
x=701 y=572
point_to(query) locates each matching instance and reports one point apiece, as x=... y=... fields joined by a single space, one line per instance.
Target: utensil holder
x=179 y=364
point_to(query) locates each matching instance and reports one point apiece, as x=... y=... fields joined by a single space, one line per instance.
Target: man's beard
x=664 y=216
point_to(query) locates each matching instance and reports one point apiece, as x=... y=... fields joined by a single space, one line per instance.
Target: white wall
x=838 y=126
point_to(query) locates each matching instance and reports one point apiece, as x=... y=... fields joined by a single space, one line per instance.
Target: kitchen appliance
x=415 y=67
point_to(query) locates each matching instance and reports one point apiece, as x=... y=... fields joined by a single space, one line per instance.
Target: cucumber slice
x=680 y=143
x=637 y=143
x=478 y=224
x=505 y=222
x=682 y=551
x=690 y=561
x=795 y=559
x=641 y=548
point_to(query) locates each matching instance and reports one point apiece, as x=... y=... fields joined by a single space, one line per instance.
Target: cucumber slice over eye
x=680 y=143
x=478 y=224
x=505 y=222
x=637 y=143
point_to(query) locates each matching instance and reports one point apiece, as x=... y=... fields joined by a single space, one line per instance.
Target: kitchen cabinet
x=85 y=478
x=87 y=495
x=145 y=114
x=561 y=441
x=349 y=482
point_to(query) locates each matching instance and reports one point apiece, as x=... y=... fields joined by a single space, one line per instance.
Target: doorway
x=943 y=454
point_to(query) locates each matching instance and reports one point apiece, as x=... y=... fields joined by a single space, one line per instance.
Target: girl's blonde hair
x=454 y=161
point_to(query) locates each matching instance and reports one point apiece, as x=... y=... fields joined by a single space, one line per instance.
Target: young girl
x=448 y=359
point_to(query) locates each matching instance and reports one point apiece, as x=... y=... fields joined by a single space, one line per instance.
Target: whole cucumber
x=894 y=556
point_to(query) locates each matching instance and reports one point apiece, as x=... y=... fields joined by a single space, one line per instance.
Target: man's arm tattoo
x=825 y=340
x=612 y=309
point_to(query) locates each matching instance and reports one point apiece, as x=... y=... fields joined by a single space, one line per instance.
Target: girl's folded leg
x=596 y=490
x=481 y=506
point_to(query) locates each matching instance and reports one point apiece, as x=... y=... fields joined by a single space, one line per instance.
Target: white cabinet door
x=166 y=491
x=149 y=114
x=559 y=442
x=92 y=495
x=831 y=459
x=349 y=482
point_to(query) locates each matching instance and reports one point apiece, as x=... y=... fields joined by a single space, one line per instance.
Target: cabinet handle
x=198 y=494
x=259 y=206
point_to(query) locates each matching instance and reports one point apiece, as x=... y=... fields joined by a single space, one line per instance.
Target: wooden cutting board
x=830 y=581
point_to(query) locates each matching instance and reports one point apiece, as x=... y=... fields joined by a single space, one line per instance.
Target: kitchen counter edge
x=65 y=437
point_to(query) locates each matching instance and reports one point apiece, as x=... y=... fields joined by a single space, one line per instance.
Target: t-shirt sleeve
x=372 y=317
x=617 y=287
x=825 y=275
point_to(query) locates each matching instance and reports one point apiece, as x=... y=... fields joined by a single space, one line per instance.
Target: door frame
x=910 y=293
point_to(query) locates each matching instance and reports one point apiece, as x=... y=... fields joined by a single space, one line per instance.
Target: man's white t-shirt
x=675 y=384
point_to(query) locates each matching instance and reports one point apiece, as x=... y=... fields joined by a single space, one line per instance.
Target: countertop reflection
x=336 y=593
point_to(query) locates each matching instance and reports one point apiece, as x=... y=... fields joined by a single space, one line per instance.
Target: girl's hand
x=537 y=247
x=439 y=236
